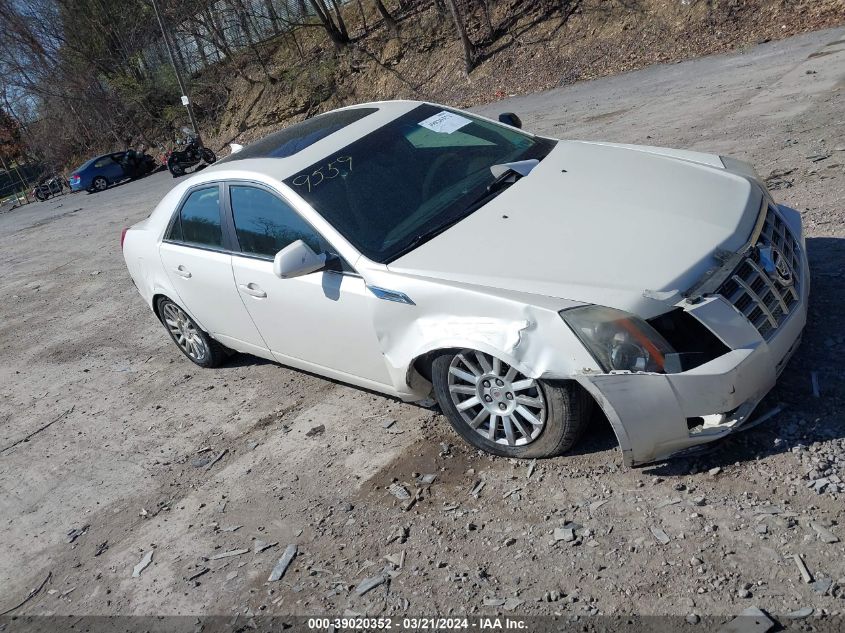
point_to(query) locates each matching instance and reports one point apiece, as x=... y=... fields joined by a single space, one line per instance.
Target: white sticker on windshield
x=445 y=122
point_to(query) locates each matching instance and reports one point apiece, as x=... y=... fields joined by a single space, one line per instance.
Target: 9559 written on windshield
x=340 y=166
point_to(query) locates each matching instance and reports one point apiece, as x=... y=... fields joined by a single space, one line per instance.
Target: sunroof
x=297 y=137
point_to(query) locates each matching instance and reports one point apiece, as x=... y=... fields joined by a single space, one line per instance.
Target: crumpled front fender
x=525 y=331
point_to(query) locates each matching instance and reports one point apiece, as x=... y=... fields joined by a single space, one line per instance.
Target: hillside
x=533 y=46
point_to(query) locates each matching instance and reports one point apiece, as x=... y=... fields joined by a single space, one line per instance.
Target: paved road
x=140 y=194
x=131 y=421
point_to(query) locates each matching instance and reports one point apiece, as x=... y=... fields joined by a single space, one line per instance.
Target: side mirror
x=509 y=118
x=297 y=259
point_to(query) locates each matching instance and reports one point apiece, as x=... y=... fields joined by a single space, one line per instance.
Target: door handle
x=253 y=290
x=182 y=272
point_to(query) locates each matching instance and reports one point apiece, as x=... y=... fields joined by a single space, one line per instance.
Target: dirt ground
x=128 y=460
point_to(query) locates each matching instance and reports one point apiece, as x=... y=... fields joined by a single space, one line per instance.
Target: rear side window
x=199 y=219
x=102 y=162
x=265 y=224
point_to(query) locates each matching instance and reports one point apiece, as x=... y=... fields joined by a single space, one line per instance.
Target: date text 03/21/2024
x=414 y=624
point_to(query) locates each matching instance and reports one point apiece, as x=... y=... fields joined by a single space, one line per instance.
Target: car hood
x=623 y=226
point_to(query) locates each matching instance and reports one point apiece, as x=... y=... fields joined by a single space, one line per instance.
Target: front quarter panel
x=523 y=330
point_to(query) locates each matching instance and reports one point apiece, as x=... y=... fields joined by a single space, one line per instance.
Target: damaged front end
x=729 y=338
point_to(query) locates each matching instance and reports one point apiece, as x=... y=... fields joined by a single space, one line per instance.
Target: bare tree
x=485 y=12
x=470 y=52
x=389 y=21
x=363 y=16
x=336 y=30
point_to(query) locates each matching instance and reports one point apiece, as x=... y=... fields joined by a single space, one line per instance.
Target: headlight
x=617 y=340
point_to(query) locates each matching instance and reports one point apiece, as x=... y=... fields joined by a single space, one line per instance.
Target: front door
x=322 y=321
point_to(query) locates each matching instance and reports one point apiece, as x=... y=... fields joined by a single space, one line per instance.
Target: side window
x=199 y=218
x=175 y=232
x=265 y=224
x=102 y=162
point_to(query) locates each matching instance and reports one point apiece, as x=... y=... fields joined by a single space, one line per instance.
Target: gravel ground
x=146 y=453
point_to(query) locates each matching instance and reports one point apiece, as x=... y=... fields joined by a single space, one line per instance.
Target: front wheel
x=208 y=156
x=198 y=346
x=175 y=167
x=499 y=410
x=40 y=196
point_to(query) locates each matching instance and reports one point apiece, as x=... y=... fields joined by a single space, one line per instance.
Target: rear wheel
x=499 y=410
x=198 y=346
x=208 y=156
x=40 y=195
x=99 y=183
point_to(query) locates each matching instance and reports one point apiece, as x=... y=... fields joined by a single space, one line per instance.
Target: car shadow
x=241 y=359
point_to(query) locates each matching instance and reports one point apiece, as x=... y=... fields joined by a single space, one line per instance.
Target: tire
x=40 y=196
x=175 y=168
x=197 y=346
x=208 y=156
x=561 y=408
x=99 y=184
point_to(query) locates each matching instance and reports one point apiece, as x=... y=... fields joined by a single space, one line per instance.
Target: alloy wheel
x=496 y=400
x=100 y=184
x=184 y=332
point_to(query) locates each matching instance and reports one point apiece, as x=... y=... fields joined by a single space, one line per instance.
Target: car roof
x=91 y=161
x=284 y=153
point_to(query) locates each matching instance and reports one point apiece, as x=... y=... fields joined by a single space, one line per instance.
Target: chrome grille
x=766 y=284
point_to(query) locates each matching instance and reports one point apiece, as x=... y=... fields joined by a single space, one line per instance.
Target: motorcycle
x=137 y=164
x=193 y=153
x=48 y=187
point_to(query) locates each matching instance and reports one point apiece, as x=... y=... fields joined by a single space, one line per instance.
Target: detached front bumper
x=656 y=416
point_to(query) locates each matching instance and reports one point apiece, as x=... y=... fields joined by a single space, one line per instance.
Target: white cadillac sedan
x=417 y=250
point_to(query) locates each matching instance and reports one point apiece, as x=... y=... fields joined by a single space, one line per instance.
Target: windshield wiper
x=427 y=235
x=508 y=174
x=502 y=182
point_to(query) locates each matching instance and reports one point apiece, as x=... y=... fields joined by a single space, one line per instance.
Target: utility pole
x=186 y=101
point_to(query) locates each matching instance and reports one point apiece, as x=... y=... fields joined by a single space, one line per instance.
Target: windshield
x=424 y=170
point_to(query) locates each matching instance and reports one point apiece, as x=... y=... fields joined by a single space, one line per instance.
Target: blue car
x=100 y=172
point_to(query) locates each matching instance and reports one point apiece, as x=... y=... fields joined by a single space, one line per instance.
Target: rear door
x=106 y=166
x=322 y=321
x=119 y=169
x=195 y=255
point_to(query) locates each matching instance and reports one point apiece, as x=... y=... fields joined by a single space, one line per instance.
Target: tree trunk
x=303 y=9
x=485 y=11
x=341 y=25
x=201 y=50
x=469 y=47
x=243 y=21
x=391 y=24
x=338 y=37
x=272 y=16
x=363 y=17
